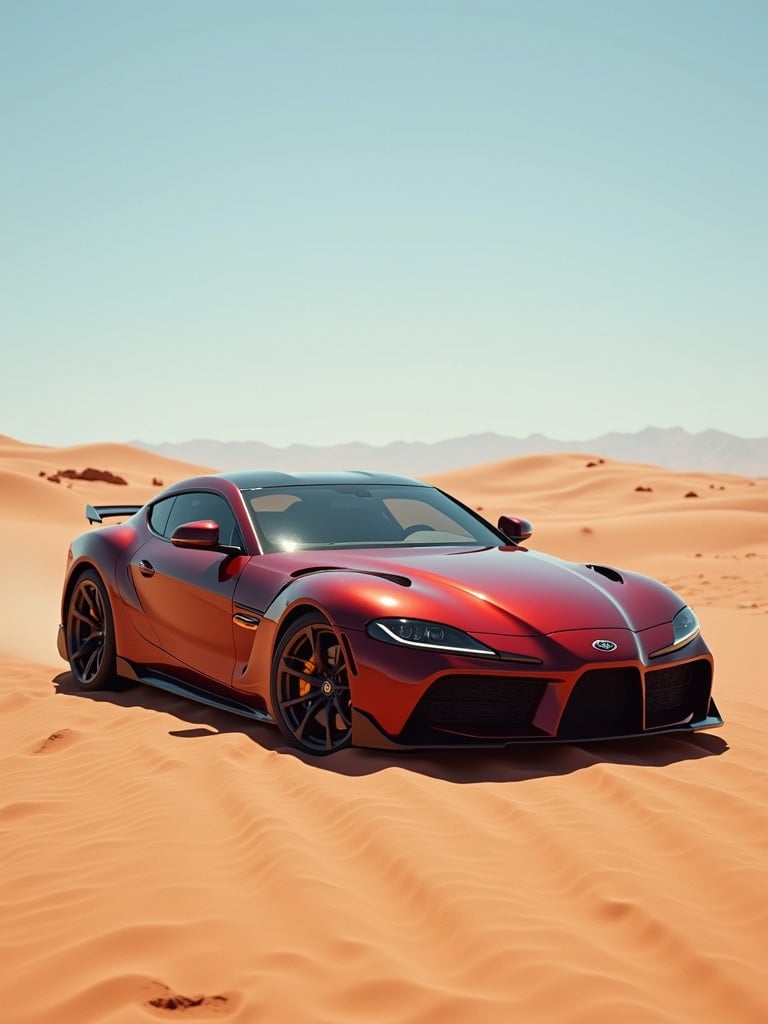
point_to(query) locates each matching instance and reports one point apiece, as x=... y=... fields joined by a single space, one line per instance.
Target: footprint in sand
x=55 y=742
x=196 y=1006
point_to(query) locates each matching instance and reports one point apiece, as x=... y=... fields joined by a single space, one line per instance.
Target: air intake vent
x=677 y=692
x=604 y=702
x=481 y=706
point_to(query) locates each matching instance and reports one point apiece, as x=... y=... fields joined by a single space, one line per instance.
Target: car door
x=187 y=593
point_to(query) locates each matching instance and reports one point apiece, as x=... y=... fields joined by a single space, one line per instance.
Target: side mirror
x=515 y=529
x=202 y=534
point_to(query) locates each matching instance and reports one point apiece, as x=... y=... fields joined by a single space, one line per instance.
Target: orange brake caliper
x=309 y=667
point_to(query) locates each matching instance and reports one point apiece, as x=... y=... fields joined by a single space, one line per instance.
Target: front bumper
x=434 y=700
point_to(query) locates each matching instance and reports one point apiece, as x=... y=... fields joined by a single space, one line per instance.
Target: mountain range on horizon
x=671 y=447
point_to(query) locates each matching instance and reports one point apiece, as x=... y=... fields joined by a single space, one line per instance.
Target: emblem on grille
x=604 y=645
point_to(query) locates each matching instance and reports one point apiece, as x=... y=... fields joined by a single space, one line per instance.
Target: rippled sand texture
x=162 y=861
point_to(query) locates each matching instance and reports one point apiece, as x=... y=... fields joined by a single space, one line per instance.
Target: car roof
x=248 y=479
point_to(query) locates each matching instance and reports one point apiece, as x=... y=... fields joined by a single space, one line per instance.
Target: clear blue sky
x=329 y=221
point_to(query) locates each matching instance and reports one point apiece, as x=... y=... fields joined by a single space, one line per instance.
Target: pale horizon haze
x=307 y=222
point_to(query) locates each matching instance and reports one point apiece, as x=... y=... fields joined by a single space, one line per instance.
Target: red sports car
x=375 y=610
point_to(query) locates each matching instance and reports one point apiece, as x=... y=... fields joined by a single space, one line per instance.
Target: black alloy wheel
x=310 y=687
x=90 y=634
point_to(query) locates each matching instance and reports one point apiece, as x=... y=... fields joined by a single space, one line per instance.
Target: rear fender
x=108 y=552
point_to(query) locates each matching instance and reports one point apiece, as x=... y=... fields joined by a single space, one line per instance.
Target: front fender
x=351 y=599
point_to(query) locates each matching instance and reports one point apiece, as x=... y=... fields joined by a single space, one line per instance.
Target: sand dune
x=163 y=861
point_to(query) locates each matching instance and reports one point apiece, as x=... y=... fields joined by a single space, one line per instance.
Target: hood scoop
x=604 y=570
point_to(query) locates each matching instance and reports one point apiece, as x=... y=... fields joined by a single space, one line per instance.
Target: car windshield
x=314 y=516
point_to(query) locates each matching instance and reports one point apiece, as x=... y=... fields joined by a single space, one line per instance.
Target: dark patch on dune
x=90 y=474
x=175 y=1002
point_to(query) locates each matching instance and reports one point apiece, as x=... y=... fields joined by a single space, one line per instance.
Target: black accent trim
x=401 y=581
x=366 y=733
x=98 y=513
x=522 y=659
x=604 y=570
x=179 y=689
x=248 y=609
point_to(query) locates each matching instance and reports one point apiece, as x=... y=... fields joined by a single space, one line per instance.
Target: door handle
x=247 y=621
x=146 y=568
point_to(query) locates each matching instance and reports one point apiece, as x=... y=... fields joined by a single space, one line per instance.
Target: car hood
x=485 y=588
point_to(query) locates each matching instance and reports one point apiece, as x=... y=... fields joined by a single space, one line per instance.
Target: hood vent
x=610 y=574
x=401 y=581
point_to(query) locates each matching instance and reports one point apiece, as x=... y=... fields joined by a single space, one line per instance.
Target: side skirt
x=127 y=671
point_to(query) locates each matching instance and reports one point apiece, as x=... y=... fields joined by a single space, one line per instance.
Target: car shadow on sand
x=514 y=763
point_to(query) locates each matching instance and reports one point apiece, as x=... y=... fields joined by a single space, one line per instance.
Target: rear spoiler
x=98 y=513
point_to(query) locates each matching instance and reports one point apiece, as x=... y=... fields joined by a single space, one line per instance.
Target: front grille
x=477 y=706
x=677 y=692
x=604 y=702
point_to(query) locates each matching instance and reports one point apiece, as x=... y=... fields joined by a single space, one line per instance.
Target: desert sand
x=163 y=861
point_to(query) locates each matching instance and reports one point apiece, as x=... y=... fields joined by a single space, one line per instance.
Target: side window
x=158 y=515
x=189 y=508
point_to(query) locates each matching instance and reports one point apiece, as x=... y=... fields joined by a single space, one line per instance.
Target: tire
x=90 y=634
x=310 y=687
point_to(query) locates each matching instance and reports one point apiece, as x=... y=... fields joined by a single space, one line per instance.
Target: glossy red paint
x=188 y=599
x=519 y=592
x=209 y=620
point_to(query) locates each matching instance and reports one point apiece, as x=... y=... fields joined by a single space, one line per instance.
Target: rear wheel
x=90 y=634
x=310 y=687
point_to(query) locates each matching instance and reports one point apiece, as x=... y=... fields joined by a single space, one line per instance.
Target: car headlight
x=685 y=627
x=431 y=636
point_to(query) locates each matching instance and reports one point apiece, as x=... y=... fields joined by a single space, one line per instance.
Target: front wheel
x=90 y=634
x=310 y=687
